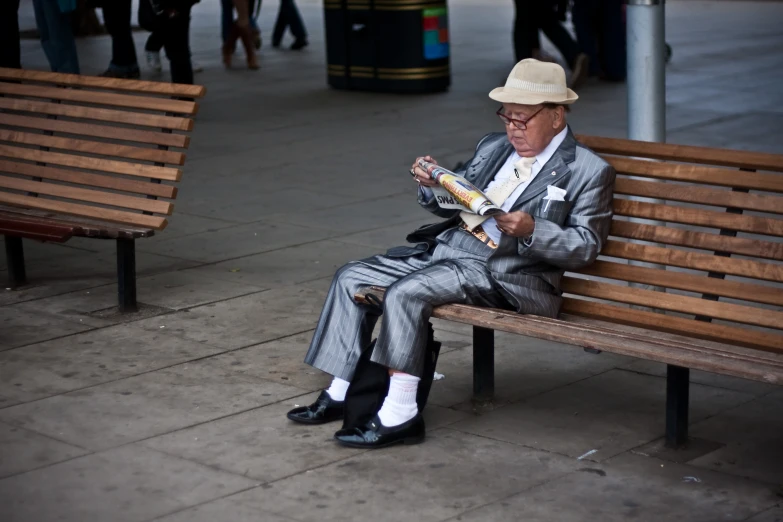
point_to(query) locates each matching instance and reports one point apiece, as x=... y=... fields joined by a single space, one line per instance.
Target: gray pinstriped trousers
x=455 y=271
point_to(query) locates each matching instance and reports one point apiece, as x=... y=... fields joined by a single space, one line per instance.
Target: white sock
x=400 y=404
x=338 y=388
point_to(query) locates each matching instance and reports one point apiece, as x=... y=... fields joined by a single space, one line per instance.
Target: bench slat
x=700 y=195
x=704 y=218
x=86 y=195
x=675 y=303
x=39 y=231
x=765 y=341
x=74 y=209
x=697 y=174
x=93 y=180
x=693 y=260
x=100 y=98
x=105 y=165
x=702 y=240
x=173 y=89
x=83 y=227
x=99 y=114
x=93 y=147
x=96 y=130
x=578 y=307
x=688 y=282
x=684 y=153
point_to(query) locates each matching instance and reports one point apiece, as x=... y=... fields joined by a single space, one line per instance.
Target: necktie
x=499 y=192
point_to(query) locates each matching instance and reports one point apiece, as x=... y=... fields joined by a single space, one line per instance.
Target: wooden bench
x=88 y=156
x=712 y=298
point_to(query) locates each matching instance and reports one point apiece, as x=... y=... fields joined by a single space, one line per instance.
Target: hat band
x=543 y=88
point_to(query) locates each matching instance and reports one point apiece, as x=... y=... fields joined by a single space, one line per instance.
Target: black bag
x=370 y=385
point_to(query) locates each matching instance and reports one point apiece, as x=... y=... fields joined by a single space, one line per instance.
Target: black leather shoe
x=376 y=435
x=323 y=410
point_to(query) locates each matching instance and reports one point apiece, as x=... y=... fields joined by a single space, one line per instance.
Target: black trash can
x=387 y=45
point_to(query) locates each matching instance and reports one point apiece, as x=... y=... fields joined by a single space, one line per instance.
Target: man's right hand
x=420 y=175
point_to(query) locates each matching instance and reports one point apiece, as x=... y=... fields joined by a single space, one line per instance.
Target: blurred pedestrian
x=227 y=19
x=117 y=19
x=10 y=52
x=288 y=17
x=53 y=18
x=544 y=15
x=169 y=22
x=240 y=30
x=600 y=30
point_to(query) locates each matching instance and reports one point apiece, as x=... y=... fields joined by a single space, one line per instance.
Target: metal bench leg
x=14 y=253
x=126 y=275
x=483 y=363
x=677 y=386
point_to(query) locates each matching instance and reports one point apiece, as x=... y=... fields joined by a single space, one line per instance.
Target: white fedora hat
x=532 y=82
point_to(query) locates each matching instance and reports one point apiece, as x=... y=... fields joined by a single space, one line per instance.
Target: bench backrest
x=714 y=244
x=98 y=148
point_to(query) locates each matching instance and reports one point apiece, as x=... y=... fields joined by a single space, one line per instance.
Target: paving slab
x=19 y=327
x=287 y=266
x=128 y=484
x=356 y=217
x=244 y=203
x=246 y=320
x=524 y=367
x=753 y=438
x=50 y=368
x=279 y=361
x=229 y=243
x=224 y=509
x=774 y=514
x=119 y=412
x=24 y=450
x=631 y=487
x=462 y=472
x=612 y=413
x=263 y=444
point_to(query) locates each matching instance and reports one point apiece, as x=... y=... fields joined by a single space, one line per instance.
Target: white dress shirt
x=506 y=171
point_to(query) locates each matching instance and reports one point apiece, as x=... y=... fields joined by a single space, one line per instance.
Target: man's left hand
x=516 y=224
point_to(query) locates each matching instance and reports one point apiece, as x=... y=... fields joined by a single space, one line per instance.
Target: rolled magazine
x=455 y=192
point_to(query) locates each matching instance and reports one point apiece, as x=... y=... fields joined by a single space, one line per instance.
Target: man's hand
x=420 y=175
x=516 y=224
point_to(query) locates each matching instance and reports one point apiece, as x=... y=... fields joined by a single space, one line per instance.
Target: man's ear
x=558 y=116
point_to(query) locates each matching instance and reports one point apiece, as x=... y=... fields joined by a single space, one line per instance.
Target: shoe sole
x=311 y=422
x=408 y=440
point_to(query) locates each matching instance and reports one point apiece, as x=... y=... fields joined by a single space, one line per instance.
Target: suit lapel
x=554 y=170
x=495 y=161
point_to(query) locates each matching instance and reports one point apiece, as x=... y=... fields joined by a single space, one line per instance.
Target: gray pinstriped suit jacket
x=530 y=274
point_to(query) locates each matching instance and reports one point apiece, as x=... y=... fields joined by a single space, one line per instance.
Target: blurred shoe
x=579 y=70
x=128 y=73
x=229 y=45
x=299 y=44
x=246 y=36
x=197 y=67
x=153 y=61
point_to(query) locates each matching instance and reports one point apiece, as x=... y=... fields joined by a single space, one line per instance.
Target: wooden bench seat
x=91 y=157
x=691 y=276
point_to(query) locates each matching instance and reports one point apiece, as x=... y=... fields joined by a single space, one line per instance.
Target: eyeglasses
x=519 y=124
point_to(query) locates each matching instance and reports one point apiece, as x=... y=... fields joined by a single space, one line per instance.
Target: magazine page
x=455 y=192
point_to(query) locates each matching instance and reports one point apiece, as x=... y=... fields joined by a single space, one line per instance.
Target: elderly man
x=514 y=260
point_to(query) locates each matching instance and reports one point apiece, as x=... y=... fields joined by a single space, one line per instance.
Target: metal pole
x=646 y=60
x=646 y=74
